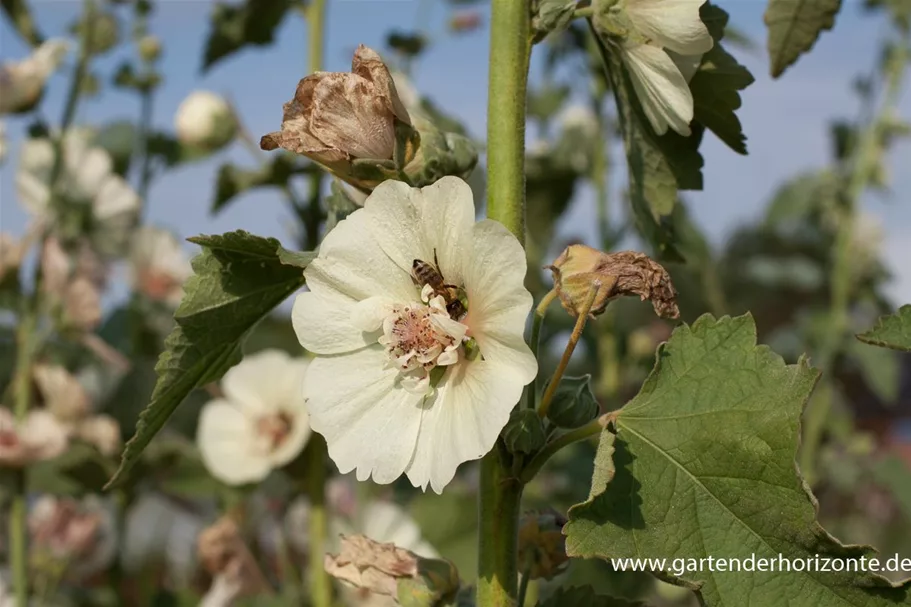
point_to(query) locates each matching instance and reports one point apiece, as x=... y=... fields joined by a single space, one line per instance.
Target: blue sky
x=786 y=121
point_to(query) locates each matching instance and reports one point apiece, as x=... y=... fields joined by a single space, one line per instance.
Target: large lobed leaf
x=238 y=279
x=702 y=463
x=794 y=26
x=891 y=331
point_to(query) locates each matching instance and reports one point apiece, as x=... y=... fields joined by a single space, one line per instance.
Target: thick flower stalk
x=416 y=314
x=260 y=424
x=661 y=43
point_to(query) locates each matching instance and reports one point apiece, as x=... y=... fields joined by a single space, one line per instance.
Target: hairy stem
x=500 y=492
x=568 y=352
x=316 y=20
x=536 y=323
x=320 y=583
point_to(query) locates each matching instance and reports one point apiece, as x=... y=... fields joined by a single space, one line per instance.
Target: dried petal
x=368 y=64
x=542 y=546
x=623 y=273
x=222 y=551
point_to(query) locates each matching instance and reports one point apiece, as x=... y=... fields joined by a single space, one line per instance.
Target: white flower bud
x=205 y=120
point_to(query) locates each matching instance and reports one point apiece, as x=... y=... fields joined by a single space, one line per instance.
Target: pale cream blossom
x=159 y=265
x=63 y=394
x=205 y=120
x=22 y=82
x=102 y=431
x=260 y=424
x=87 y=184
x=399 y=367
x=661 y=43
x=38 y=437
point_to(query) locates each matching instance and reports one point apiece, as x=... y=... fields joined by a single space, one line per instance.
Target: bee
x=426 y=273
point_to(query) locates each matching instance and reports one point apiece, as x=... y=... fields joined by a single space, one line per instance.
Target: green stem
x=592 y=428
x=523 y=585
x=500 y=493
x=500 y=499
x=510 y=51
x=581 y=319
x=320 y=584
x=536 y=323
x=842 y=278
x=316 y=20
x=584 y=13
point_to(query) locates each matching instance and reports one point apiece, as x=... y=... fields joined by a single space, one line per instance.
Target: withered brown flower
x=624 y=273
x=338 y=118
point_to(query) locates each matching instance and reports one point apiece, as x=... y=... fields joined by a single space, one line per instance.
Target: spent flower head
x=416 y=314
x=661 y=43
x=81 y=534
x=339 y=119
x=260 y=424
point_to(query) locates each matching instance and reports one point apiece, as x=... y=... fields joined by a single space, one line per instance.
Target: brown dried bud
x=222 y=552
x=618 y=274
x=337 y=118
x=542 y=546
x=371 y=565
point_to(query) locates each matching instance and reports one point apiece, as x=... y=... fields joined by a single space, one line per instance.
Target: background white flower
x=22 y=82
x=87 y=180
x=662 y=51
x=159 y=264
x=260 y=424
x=205 y=120
x=39 y=436
x=396 y=388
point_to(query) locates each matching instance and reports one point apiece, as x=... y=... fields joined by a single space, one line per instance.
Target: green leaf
x=584 y=597
x=794 y=26
x=574 y=404
x=701 y=463
x=659 y=166
x=20 y=16
x=880 y=368
x=234 y=26
x=717 y=83
x=891 y=331
x=238 y=279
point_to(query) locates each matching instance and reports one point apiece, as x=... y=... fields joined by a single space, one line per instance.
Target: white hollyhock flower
x=63 y=394
x=22 y=82
x=38 y=437
x=662 y=43
x=260 y=424
x=159 y=265
x=205 y=120
x=399 y=385
x=80 y=533
x=87 y=178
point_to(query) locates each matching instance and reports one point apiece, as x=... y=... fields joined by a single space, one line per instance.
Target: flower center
x=274 y=430
x=419 y=338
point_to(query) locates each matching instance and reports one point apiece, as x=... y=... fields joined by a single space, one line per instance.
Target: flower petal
x=471 y=406
x=265 y=382
x=370 y=424
x=447 y=219
x=323 y=323
x=296 y=440
x=663 y=92
x=672 y=24
x=223 y=433
x=498 y=302
x=352 y=262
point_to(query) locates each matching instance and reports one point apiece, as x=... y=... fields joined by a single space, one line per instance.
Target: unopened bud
x=352 y=123
x=11 y=253
x=149 y=48
x=205 y=121
x=542 y=546
x=579 y=267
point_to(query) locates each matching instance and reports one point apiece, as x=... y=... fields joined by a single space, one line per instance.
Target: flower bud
x=542 y=547
x=103 y=432
x=205 y=121
x=149 y=48
x=63 y=395
x=579 y=267
x=353 y=124
x=11 y=252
